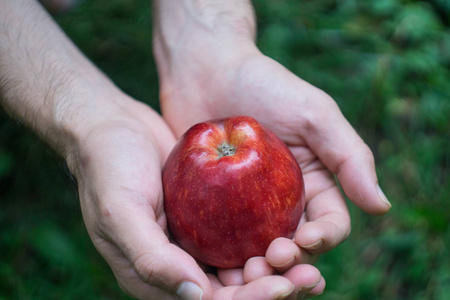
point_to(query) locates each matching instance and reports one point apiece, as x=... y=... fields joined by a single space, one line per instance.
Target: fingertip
x=281 y=288
x=343 y=151
x=373 y=201
x=305 y=277
x=267 y=287
x=255 y=268
x=359 y=182
x=316 y=290
x=231 y=276
x=322 y=235
x=173 y=270
x=189 y=291
x=282 y=253
x=384 y=200
x=310 y=236
x=314 y=246
x=285 y=292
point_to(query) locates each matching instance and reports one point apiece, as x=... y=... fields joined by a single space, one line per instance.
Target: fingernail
x=310 y=287
x=314 y=246
x=383 y=196
x=284 y=293
x=189 y=291
x=284 y=264
x=304 y=290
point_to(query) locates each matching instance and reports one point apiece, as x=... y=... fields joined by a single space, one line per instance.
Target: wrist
x=45 y=81
x=176 y=19
x=192 y=37
x=85 y=107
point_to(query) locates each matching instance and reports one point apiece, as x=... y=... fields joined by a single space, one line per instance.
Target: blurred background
x=385 y=62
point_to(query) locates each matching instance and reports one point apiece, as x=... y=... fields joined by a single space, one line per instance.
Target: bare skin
x=210 y=68
x=115 y=146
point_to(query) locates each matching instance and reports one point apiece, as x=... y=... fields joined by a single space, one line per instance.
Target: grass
x=385 y=62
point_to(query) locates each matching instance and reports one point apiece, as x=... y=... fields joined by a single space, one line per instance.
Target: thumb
x=344 y=153
x=170 y=268
x=156 y=261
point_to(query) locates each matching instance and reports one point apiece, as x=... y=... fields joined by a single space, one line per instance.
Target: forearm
x=200 y=31
x=45 y=81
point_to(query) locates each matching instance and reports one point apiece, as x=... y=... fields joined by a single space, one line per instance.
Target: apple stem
x=225 y=150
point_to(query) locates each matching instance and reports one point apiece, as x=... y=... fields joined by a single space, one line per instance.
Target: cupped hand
x=117 y=163
x=245 y=82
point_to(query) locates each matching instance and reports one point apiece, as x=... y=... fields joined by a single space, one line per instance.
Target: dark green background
x=385 y=62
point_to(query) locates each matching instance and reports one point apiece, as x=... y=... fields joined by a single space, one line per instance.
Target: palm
x=119 y=179
x=261 y=88
x=121 y=194
x=265 y=90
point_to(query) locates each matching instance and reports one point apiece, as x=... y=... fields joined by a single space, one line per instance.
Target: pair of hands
x=115 y=146
x=118 y=167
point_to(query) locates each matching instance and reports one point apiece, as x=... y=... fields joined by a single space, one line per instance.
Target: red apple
x=231 y=187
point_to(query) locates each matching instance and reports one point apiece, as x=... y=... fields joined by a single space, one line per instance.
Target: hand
x=118 y=164
x=209 y=83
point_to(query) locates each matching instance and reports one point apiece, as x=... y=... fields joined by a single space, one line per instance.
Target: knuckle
x=146 y=266
x=107 y=215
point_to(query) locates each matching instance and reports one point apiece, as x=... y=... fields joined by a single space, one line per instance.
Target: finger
x=126 y=276
x=284 y=253
x=328 y=222
x=317 y=290
x=215 y=282
x=306 y=278
x=155 y=260
x=341 y=149
x=122 y=197
x=231 y=276
x=265 y=288
x=257 y=267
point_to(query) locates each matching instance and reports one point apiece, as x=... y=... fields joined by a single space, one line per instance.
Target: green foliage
x=385 y=62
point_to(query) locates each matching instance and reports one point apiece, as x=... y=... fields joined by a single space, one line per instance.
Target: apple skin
x=224 y=209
